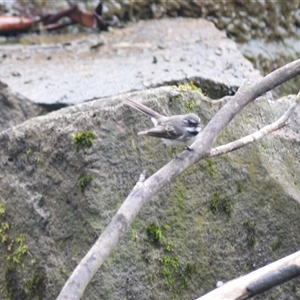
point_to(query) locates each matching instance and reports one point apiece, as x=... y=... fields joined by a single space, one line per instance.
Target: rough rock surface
x=15 y=109
x=220 y=219
x=144 y=55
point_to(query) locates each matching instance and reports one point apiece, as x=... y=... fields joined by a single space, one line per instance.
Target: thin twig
x=281 y=122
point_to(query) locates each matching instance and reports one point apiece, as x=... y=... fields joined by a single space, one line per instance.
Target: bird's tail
x=143 y=109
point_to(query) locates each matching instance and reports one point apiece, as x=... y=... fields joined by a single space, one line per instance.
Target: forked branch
x=281 y=122
x=142 y=193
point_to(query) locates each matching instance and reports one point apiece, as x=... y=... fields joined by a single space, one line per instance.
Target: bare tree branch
x=140 y=195
x=258 y=281
x=281 y=122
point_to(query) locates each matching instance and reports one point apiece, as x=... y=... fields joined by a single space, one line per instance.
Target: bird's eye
x=192 y=123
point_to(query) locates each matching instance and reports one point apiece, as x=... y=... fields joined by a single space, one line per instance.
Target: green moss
x=168 y=246
x=97 y=190
x=4 y=226
x=250 y=229
x=170 y=267
x=14 y=250
x=15 y=247
x=218 y=204
x=176 y=276
x=2 y=209
x=32 y=288
x=239 y=187
x=165 y=227
x=169 y=270
x=36 y=286
x=33 y=262
x=83 y=181
x=63 y=271
x=38 y=159
x=133 y=145
x=83 y=139
x=154 y=233
x=277 y=244
x=169 y=261
x=28 y=151
x=189 y=271
x=178 y=196
x=209 y=167
x=188 y=86
x=190 y=106
x=18 y=249
x=252 y=170
x=11 y=287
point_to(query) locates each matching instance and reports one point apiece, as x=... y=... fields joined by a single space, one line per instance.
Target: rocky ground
x=141 y=56
x=266 y=32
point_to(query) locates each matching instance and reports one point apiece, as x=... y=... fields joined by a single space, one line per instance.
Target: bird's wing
x=166 y=132
x=142 y=108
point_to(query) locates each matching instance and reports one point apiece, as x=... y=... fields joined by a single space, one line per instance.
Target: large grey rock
x=141 y=56
x=220 y=219
x=15 y=109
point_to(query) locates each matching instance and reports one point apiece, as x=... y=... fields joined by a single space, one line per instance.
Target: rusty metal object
x=14 y=24
x=31 y=16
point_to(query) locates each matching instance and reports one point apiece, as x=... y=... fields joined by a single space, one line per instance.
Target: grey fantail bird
x=177 y=130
